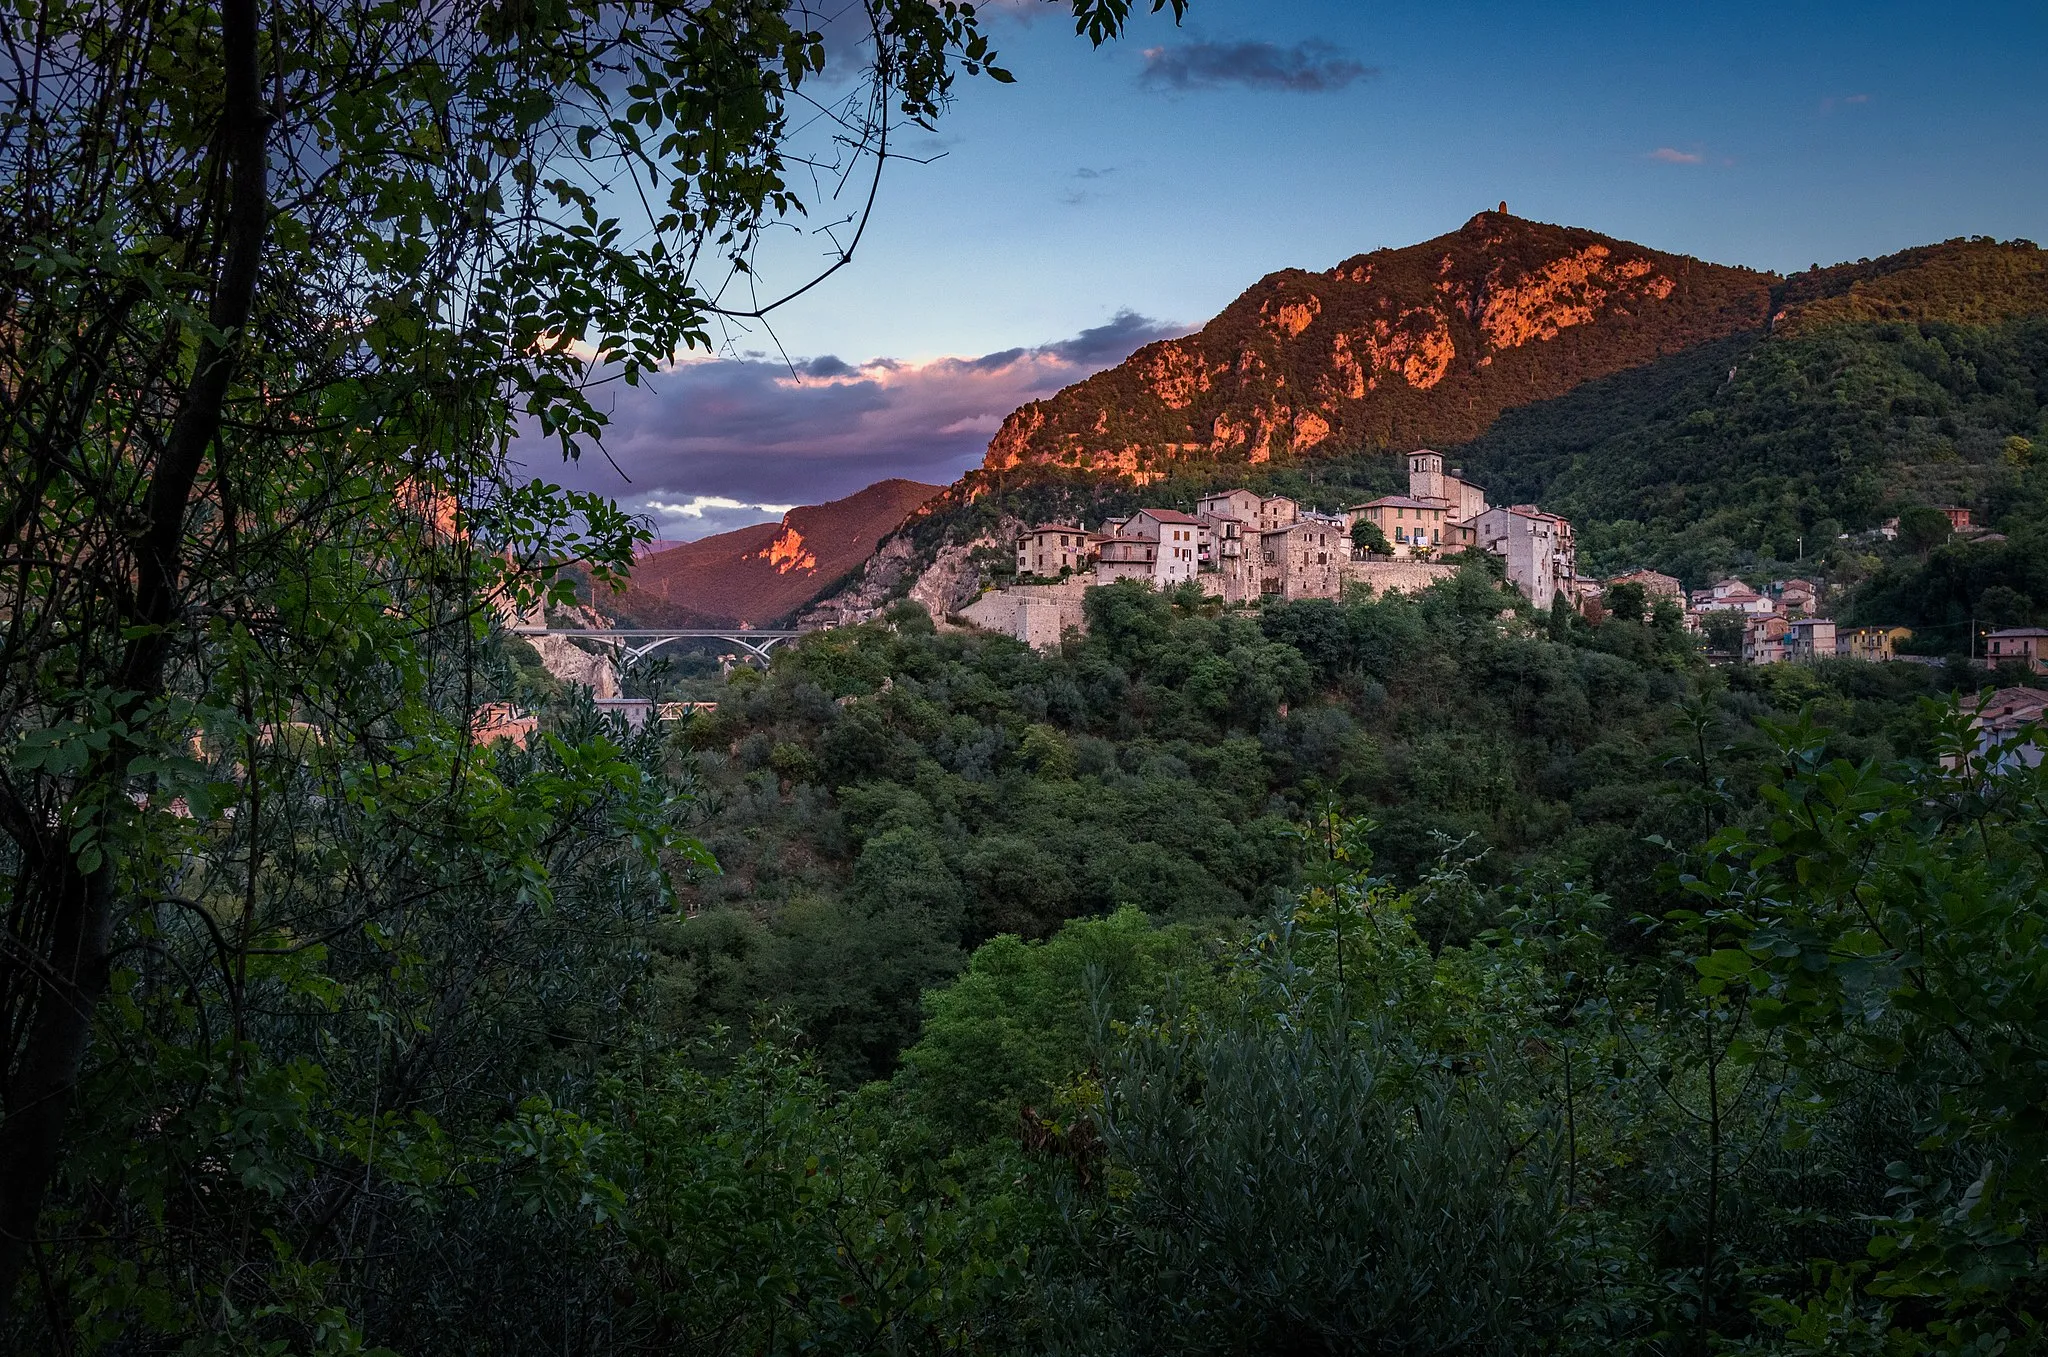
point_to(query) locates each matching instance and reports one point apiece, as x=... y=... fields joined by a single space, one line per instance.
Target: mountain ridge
x=1423 y=344
x=762 y=573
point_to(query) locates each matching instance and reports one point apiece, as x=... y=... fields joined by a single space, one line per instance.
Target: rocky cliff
x=1421 y=345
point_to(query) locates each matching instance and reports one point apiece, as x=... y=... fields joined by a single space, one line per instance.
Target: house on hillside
x=1230 y=553
x=1428 y=480
x=1874 y=645
x=1051 y=548
x=1763 y=640
x=1411 y=525
x=1118 y=557
x=1159 y=546
x=2026 y=645
x=1796 y=596
x=1258 y=513
x=1302 y=559
x=2003 y=721
x=1810 y=638
x=1438 y=514
x=1655 y=585
x=1541 y=557
x=1733 y=596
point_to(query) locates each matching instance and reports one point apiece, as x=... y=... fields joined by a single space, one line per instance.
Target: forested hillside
x=889 y=797
x=1749 y=452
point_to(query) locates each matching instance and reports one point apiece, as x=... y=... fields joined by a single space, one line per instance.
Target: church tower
x=1426 y=474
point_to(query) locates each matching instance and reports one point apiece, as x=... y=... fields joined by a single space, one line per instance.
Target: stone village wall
x=1040 y=614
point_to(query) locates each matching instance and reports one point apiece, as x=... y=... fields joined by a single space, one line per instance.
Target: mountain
x=1427 y=344
x=758 y=575
x=1735 y=421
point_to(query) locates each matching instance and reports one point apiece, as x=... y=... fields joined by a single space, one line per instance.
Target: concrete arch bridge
x=634 y=644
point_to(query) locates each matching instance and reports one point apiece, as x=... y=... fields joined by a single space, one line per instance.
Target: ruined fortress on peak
x=1424 y=345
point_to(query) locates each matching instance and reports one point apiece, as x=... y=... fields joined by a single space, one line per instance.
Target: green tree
x=1367 y=536
x=1881 y=922
x=1627 y=602
x=282 y=283
x=1922 y=529
x=1723 y=629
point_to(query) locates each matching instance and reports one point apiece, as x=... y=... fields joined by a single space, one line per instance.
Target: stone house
x=1541 y=557
x=1050 y=548
x=1303 y=559
x=1258 y=513
x=1655 y=586
x=1427 y=479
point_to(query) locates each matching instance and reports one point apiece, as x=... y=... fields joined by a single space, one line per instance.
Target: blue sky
x=1113 y=196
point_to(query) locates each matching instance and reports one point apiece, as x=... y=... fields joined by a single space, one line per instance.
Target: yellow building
x=1874 y=644
x=1411 y=524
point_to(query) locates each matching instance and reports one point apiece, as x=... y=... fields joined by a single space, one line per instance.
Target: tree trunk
x=80 y=905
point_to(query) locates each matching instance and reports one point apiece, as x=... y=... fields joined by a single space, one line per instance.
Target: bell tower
x=1426 y=474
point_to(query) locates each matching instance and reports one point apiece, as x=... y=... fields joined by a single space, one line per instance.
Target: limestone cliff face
x=1421 y=345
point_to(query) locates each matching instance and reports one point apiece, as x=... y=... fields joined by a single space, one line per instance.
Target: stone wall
x=1394 y=577
x=1036 y=614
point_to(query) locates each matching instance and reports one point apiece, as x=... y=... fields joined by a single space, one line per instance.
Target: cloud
x=1672 y=156
x=711 y=446
x=1305 y=68
x=1829 y=104
x=700 y=505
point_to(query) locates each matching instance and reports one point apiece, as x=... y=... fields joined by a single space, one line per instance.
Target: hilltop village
x=1244 y=548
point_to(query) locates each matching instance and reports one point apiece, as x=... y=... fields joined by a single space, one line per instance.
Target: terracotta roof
x=2022 y=631
x=1402 y=502
x=1169 y=516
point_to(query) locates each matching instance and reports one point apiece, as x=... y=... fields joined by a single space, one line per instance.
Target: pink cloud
x=1672 y=156
x=755 y=430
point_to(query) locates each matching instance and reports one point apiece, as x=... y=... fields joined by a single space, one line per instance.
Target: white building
x=1178 y=538
x=1733 y=596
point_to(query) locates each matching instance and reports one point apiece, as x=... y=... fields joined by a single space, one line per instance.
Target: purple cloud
x=1306 y=68
x=713 y=444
